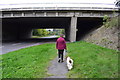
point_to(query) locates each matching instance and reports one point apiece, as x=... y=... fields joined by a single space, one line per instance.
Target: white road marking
x=1 y=46
x=16 y=44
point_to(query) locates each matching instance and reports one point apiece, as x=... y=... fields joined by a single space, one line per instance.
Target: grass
x=30 y=62
x=39 y=36
x=90 y=61
x=43 y=36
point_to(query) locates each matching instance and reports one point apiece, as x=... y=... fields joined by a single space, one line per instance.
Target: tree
x=40 y=32
x=58 y=31
x=35 y=32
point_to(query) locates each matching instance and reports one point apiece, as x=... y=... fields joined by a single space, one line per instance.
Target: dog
x=69 y=63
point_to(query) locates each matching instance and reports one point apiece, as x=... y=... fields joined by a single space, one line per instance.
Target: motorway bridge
x=17 y=23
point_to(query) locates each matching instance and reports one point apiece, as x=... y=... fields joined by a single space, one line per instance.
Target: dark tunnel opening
x=21 y=28
x=86 y=25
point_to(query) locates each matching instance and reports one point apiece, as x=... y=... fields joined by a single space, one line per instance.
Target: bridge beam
x=87 y=13
x=73 y=26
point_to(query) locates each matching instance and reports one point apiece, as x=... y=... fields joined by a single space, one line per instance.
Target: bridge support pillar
x=73 y=26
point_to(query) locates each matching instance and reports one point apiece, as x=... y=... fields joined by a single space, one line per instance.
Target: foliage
x=35 y=32
x=105 y=18
x=110 y=22
x=44 y=32
x=59 y=31
x=92 y=61
x=40 y=32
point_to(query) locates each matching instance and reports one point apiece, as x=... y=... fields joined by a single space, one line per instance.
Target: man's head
x=61 y=35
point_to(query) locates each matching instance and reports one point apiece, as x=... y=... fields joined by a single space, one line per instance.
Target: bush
x=40 y=32
x=110 y=22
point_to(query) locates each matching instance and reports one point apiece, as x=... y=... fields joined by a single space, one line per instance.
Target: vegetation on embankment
x=92 y=61
x=106 y=35
x=110 y=22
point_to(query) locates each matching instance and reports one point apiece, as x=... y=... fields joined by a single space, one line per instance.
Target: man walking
x=60 y=45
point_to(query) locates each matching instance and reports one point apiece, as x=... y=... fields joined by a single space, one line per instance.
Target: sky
x=53 y=3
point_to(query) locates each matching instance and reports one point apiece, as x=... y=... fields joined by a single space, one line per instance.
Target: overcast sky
x=58 y=3
x=55 y=1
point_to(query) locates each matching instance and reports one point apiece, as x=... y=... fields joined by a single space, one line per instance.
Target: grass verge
x=92 y=61
x=31 y=62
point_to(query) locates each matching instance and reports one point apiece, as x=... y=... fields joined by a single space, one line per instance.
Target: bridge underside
x=21 y=28
x=86 y=25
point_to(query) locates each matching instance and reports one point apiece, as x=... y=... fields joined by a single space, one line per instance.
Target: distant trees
x=40 y=32
x=58 y=31
x=44 y=32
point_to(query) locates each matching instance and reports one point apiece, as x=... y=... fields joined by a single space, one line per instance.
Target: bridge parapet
x=61 y=8
x=58 y=12
x=11 y=14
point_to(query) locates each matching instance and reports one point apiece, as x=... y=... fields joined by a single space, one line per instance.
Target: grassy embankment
x=90 y=61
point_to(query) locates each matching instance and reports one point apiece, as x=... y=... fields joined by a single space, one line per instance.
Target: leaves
x=40 y=32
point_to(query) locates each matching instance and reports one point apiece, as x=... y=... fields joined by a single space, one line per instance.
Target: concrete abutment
x=73 y=29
